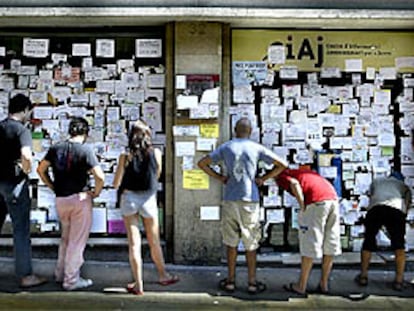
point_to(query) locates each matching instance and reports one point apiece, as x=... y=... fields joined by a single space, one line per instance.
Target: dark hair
x=398 y=175
x=139 y=138
x=19 y=103
x=78 y=126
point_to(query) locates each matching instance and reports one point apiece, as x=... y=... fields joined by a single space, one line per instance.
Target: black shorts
x=392 y=219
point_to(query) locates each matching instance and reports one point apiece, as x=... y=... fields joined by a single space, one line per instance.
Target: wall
x=198 y=50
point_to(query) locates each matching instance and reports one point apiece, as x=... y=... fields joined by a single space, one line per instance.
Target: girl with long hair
x=136 y=177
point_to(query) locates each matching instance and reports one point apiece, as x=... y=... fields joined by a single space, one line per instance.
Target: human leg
x=399 y=265
x=153 y=237
x=19 y=210
x=327 y=262
x=148 y=209
x=254 y=286
x=64 y=216
x=311 y=237
x=362 y=277
x=395 y=225
x=305 y=269
x=228 y=284
x=251 y=266
x=251 y=234
x=231 y=263
x=152 y=231
x=299 y=288
x=331 y=243
x=80 y=206
x=134 y=251
x=3 y=212
x=373 y=222
x=230 y=231
x=20 y=214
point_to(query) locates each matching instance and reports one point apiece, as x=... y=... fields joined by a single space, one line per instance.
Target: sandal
x=227 y=286
x=398 y=286
x=291 y=289
x=133 y=290
x=320 y=291
x=256 y=288
x=171 y=280
x=361 y=280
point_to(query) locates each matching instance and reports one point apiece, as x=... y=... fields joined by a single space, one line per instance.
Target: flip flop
x=291 y=289
x=398 y=286
x=320 y=291
x=227 y=286
x=134 y=291
x=172 y=280
x=361 y=280
x=256 y=288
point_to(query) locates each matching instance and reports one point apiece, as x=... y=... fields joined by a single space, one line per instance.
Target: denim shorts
x=143 y=203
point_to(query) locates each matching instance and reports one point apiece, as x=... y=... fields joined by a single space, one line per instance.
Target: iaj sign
x=311 y=50
x=305 y=49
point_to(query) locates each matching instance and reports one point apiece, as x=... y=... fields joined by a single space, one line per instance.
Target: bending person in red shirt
x=319 y=232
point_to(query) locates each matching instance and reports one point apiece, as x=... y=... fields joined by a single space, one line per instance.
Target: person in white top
x=390 y=199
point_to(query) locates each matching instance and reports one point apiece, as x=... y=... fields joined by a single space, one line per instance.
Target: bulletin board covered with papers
x=341 y=102
x=111 y=79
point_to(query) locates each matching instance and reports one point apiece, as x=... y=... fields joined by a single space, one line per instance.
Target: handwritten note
x=195 y=180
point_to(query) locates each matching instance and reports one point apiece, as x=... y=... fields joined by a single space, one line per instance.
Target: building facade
x=338 y=76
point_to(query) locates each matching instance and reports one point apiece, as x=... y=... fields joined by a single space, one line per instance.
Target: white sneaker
x=81 y=283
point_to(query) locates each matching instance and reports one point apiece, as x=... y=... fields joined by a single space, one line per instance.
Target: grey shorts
x=139 y=202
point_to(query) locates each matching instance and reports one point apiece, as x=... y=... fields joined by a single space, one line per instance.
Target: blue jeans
x=19 y=210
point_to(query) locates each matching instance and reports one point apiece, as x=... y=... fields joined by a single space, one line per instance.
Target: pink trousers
x=75 y=214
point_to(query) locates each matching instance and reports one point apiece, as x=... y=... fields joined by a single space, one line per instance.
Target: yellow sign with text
x=195 y=180
x=209 y=130
x=313 y=50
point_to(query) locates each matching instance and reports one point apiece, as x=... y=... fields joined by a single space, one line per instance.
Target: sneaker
x=81 y=283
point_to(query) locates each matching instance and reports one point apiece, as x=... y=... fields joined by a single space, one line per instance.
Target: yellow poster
x=312 y=50
x=195 y=180
x=209 y=130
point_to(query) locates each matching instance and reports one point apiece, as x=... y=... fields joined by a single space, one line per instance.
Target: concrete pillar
x=200 y=48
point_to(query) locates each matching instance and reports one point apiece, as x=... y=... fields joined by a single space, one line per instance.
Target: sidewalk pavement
x=198 y=289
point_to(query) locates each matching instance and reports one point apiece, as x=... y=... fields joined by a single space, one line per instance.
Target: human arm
x=204 y=164
x=297 y=191
x=120 y=169
x=26 y=159
x=43 y=171
x=158 y=159
x=407 y=198
x=99 y=177
x=278 y=167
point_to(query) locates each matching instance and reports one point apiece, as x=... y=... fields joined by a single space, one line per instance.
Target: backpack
x=139 y=173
